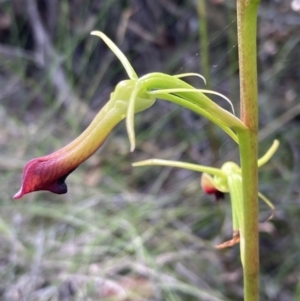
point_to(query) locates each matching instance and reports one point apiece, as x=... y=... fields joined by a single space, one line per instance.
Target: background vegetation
x=144 y=233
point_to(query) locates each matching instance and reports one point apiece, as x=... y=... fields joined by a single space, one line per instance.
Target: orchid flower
x=130 y=96
x=217 y=181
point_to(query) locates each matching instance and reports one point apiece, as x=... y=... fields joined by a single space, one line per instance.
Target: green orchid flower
x=134 y=95
x=130 y=96
x=217 y=181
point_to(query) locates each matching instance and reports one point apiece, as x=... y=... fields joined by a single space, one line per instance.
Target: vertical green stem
x=232 y=52
x=204 y=57
x=247 y=19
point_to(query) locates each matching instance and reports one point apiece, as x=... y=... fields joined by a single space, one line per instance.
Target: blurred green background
x=140 y=233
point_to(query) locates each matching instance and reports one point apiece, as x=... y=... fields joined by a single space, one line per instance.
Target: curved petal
x=119 y=54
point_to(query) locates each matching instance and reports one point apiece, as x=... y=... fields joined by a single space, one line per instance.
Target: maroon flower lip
x=50 y=172
x=45 y=173
x=209 y=187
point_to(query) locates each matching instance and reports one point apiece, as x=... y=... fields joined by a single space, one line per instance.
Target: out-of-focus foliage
x=149 y=233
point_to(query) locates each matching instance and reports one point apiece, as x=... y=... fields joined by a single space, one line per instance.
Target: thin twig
x=10 y=52
x=46 y=53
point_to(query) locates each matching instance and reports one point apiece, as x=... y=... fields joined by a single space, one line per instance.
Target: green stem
x=247 y=19
x=204 y=57
x=204 y=60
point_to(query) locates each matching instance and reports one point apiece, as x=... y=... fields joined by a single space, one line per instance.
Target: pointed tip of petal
x=19 y=194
